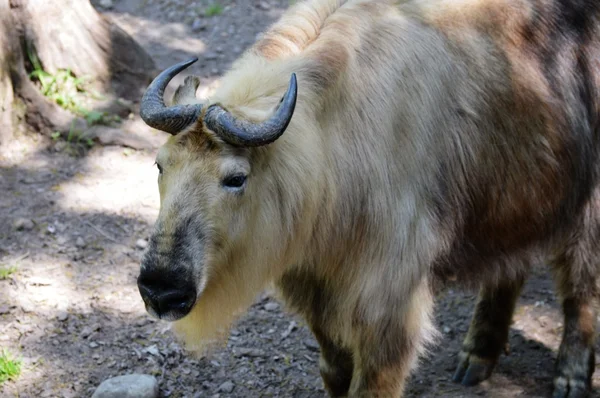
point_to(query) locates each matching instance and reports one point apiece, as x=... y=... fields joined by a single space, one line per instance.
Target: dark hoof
x=472 y=370
x=565 y=387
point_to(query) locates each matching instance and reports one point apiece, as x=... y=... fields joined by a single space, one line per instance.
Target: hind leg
x=576 y=278
x=488 y=332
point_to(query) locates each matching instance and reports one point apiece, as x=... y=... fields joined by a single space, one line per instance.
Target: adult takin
x=363 y=153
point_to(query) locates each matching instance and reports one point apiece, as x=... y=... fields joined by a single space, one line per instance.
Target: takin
x=363 y=154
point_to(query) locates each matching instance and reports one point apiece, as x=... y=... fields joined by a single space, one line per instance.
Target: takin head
x=212 y=219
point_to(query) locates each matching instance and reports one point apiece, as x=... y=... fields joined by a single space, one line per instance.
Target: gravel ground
x=74 y=224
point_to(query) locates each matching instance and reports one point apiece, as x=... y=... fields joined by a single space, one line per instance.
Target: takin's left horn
x=156 y=114
x=243 y=133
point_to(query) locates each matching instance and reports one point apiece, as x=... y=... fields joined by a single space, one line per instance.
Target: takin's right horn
x=156 y=114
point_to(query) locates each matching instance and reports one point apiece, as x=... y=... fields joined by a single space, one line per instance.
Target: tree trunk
x=66 y=34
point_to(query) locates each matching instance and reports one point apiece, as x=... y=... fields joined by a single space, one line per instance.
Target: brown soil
x=72 y=310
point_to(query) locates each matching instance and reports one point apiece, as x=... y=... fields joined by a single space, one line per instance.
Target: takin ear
x=186 y=93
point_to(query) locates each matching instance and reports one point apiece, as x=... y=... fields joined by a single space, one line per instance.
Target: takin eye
x=159 y=167
x=234 y=181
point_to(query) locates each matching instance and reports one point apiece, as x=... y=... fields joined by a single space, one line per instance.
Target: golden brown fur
x=431 y=138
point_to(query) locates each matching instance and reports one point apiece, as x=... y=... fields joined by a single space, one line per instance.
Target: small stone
x=62 y=316
x=85 y=332
x=311 y=345
x=108 y=4
x=198 y=25
x=152 y=350
x=226 y=387
x=79 y=242
x=28 y=307
x=271 y=306
x=249 y=352
x=93 y=344
x=446 y=329
x=23 y=224
x=210 y=56
x=128 y=386
x=141 y=244
x=4 y=309
x=263 y=5
x=289 y=330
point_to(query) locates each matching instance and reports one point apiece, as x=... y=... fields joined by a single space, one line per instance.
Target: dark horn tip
x=190 y=61
x=153 y=110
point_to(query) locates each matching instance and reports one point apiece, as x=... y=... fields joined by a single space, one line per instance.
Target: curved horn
x=156 y=114
x=244 y=133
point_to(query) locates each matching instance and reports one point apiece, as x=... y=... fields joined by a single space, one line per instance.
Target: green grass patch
x=10 y=367
x=5 y=272
x=213 y=9
x=69 y=92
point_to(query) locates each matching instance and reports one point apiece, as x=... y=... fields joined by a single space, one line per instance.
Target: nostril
x=176 y=301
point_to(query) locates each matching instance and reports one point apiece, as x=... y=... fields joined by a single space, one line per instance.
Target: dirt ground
x=74 y=224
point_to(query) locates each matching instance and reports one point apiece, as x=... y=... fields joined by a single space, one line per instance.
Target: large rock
x=128 y=386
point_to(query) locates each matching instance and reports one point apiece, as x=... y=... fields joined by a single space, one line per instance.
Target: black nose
x=167 y=296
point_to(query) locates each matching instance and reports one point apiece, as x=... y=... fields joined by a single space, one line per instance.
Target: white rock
x=141 y=244
x=128 y=386
x=152 y=350
x=62 y=316
x=227 y=387
x=271 y=306
x=79 y=242
x=106 y=4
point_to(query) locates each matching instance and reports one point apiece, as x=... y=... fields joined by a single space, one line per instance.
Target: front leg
x=335 y=365
x=387 y=350
x=311 y=297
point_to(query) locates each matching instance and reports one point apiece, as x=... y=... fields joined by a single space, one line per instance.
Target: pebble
x=198 y=25
x=28 y=306
x=311 y=345
x=85 y=332
x=263 y=5
x=446 y=329
x=4 y=309
x=289 y=329
x=141 y=244
x=128 y=386
x=249 y=352
x=226 y=387
x=62 y=316
x=79 y=242
x=210 y=56
x=108 y=4
x=152 y=350
x=93 y=344
x=23 y=224
x=271 y=306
